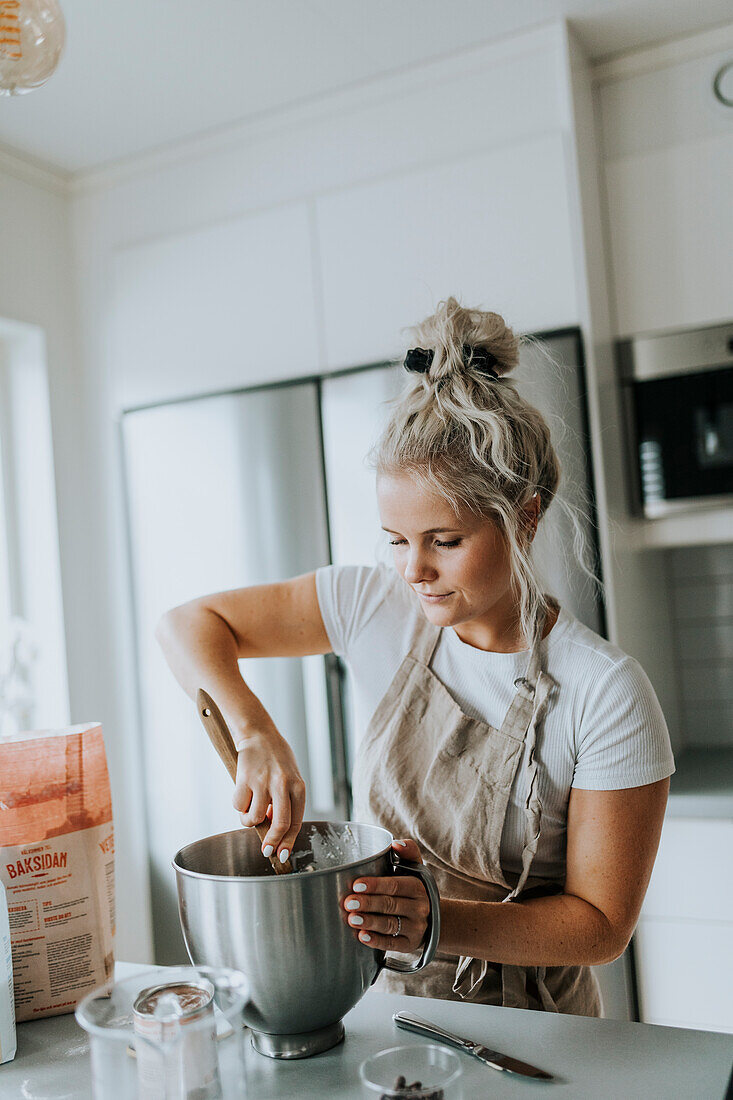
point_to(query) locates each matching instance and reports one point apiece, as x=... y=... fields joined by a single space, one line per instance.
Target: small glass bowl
x=389 y=1074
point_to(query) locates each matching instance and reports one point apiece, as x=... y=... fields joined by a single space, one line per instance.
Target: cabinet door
x=216 y=308
x=684 y=973
x=494 y=230
x=684 y=941
x=693 y=873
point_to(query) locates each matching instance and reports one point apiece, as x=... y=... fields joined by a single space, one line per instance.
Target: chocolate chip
x=415 y=1091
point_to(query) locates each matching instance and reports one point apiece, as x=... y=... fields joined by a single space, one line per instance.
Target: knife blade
x=484 y=1054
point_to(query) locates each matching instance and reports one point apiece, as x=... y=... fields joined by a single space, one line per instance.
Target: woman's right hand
x=270 y=785
x=203 y=642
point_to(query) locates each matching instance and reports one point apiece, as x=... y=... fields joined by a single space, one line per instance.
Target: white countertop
x=591 y=1059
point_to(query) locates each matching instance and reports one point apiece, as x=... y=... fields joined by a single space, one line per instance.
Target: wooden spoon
x=222 y=741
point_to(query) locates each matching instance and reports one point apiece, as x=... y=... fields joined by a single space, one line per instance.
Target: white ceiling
x=138 y=75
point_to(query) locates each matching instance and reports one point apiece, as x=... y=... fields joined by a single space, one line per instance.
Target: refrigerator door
x=355 y=407
x=557 y=388
x=222 y=492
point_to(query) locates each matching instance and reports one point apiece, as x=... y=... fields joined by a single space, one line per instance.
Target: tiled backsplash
x=700 y=582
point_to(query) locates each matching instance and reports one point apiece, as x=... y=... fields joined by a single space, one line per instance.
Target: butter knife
x=489 y=1057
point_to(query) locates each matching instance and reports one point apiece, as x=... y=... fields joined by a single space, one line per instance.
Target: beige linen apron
x=428 y=771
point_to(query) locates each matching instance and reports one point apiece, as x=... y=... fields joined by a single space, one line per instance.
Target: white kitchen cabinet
x=671 y=256
x=215 y=309
x=693 y=874
x=683 y=971
x=494 y=230
x=668 y=165
x=683 y=945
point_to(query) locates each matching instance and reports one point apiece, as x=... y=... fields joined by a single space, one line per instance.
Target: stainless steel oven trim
x=656 y=509
x=645 y=357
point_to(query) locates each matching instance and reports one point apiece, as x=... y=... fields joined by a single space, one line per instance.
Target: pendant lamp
x=32 y=36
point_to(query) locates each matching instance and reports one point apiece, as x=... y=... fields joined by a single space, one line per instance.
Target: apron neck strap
x=425 y=639
x=534 y=664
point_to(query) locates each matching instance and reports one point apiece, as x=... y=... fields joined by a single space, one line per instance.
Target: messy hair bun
x=452 y=328
x=465 y=432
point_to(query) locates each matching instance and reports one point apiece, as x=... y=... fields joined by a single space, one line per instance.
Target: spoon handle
x=221 y=739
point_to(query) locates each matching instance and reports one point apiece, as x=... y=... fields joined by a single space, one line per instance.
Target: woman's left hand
x=375 y=904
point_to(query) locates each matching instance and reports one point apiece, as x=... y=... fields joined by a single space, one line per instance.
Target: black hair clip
x=418 y=360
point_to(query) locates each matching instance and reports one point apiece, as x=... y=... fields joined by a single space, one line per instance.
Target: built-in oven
x=679 y=401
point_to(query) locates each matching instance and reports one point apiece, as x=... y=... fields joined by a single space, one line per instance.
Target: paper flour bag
x=7 y=1012
x=57 y=865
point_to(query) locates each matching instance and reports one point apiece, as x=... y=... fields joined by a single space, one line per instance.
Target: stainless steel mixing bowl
x=288 y=933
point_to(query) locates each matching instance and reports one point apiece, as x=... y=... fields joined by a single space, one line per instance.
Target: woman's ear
x=532 y=514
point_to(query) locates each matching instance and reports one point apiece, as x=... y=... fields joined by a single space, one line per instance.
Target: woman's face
x=457 y=565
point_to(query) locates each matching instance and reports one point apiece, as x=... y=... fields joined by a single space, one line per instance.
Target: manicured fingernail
x=284 y=855
x=359 y=887
x=267 y=851
x=353 y=905
x=356 y=919
x=402 y=843
x=365 y=937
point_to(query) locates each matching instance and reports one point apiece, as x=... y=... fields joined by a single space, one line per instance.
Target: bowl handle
x=419 y=870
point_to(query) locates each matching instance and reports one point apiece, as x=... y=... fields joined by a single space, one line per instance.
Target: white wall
x=27 y=483
x=37 y=288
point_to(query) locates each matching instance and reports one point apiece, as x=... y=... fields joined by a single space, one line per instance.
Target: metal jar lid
x=195 y=998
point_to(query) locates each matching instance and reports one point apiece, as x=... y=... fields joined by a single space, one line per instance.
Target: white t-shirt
x=603 y=728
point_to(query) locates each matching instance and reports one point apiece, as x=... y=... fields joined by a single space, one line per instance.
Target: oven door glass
x=684 y=432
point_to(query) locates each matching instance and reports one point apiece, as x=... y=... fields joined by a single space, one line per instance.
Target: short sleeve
x=348 y=596
x=623 y=741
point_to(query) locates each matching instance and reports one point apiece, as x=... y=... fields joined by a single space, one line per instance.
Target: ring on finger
x=399 y=928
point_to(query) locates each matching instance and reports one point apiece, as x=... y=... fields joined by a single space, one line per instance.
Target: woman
x=521 y=755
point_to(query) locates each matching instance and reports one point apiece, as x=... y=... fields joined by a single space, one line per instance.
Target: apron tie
x=532 y=804
x=469 y=977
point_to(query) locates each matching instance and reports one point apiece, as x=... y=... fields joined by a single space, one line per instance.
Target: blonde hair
x=472 y=438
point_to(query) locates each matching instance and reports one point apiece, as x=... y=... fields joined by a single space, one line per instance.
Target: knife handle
x=489 y=1057
x=430 y=1031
